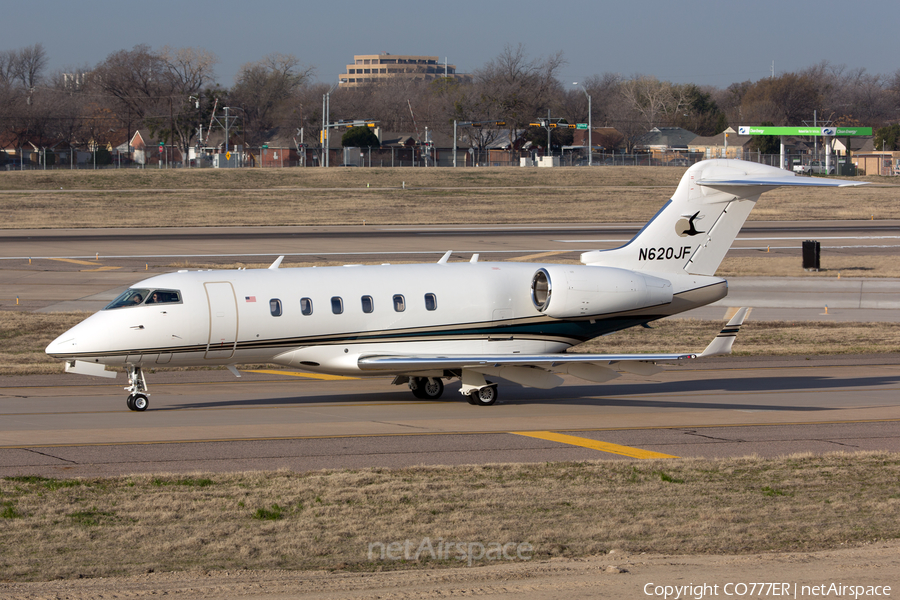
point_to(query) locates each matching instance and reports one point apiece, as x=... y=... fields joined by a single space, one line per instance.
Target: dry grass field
x=327 y=520
x=834 y=264
x=309 y=196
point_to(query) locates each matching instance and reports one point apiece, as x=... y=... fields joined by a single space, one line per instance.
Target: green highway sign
x=581 y=126
x=815 y=131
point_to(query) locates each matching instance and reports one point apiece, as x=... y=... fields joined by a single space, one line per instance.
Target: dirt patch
x=615 y=575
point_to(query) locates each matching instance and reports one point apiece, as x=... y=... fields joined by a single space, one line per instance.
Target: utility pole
x=549 y=124
x=326 y=122
x=229 y=120
x=590 y=127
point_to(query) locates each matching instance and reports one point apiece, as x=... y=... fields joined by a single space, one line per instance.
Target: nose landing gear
x=138 y=398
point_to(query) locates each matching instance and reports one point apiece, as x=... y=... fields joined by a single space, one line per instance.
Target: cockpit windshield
x=163 y=297
x=136 y=296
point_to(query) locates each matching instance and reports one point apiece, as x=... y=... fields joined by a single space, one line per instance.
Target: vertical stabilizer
x=695 y=229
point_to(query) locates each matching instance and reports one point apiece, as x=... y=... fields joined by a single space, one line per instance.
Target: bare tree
x=852 y=93
x=27 y=111
x=187 y=72
x=519 y=89
x=730 y=101
x=604 y=90
x=31 y=63
x=8 y=67
x=657 y=102
x=69 y=111
x=134 y=80
x=784 y=100
x=266 y=91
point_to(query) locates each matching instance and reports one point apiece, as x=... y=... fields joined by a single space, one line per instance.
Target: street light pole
x=328 y=127
x=590 y=127
x=326 y=101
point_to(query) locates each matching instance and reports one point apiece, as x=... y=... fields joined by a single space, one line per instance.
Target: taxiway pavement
x=64 y=426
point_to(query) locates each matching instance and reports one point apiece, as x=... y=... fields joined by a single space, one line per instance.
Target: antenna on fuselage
x=445 y=257
x=277 y=263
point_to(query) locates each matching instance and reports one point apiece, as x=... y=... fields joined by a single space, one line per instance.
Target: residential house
x=603 y=139
x=148 y=150
x=663 y=142
x=727 y=144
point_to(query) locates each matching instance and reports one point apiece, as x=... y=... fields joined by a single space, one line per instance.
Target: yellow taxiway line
x=307 y=375
x=593 y=444
x=76 y=262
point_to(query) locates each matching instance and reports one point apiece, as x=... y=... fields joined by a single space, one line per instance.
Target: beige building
x=372 y=68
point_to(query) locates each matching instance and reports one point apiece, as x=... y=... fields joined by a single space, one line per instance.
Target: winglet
x=722 y=343
x=277 y=263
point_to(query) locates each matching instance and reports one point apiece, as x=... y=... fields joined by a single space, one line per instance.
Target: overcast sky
x=700 y=41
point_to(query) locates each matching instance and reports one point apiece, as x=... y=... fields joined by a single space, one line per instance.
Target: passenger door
x=223 y=320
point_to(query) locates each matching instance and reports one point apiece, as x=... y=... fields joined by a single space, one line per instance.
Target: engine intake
x=567 y=291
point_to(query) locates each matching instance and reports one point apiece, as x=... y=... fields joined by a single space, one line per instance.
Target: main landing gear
x=426 y=388
x=484 y=396
x=138 y=398
x=475 y=388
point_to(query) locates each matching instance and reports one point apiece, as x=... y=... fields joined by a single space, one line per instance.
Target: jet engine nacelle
x=566 y=291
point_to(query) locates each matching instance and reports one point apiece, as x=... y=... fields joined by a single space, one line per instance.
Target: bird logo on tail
x=685 y=226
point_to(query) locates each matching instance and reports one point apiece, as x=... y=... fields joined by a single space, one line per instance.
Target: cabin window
x=430 y=302
x=337 y=305
x=275 y=307
x=399 y=303
x=306 y=306
x=367 y=304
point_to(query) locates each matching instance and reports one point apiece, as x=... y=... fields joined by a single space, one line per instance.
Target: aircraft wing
x=543 y=370
x=540 y=371
x=537 y=370
x=546 y=361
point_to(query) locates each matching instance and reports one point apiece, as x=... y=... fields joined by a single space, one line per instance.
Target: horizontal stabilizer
x=774 y=182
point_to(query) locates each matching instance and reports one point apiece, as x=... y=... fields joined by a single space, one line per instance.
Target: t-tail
x=695 y=229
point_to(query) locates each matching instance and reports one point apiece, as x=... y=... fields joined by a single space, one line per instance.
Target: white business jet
x=426 y=323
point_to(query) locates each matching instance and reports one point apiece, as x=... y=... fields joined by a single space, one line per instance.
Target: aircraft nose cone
x=64 y=344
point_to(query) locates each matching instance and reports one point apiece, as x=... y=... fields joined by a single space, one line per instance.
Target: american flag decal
x=250 y=298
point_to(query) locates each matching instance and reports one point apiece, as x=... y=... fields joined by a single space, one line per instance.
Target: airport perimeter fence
x=410 y=157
